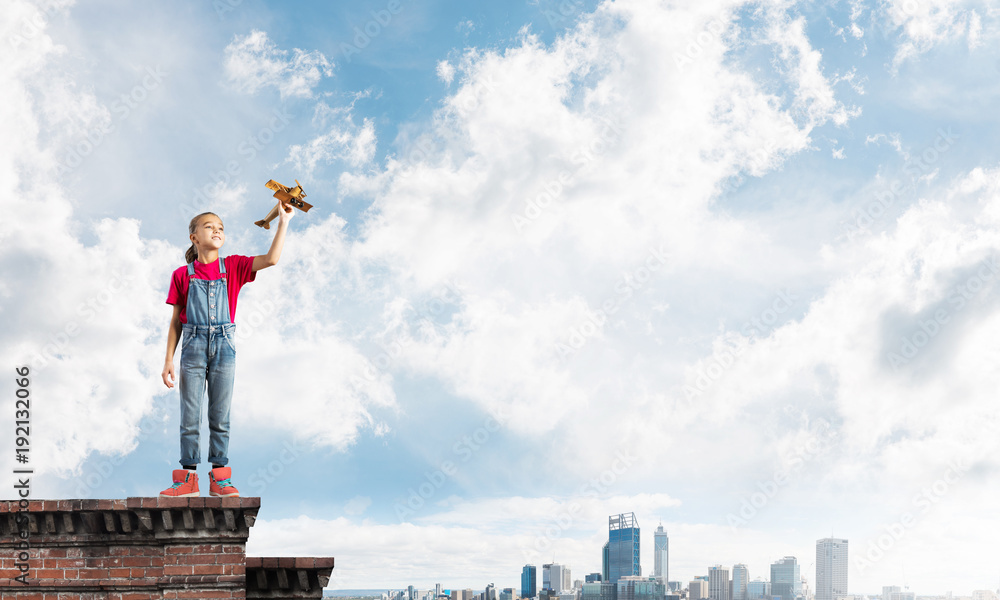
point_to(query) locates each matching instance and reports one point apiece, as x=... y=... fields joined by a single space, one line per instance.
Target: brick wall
x=141 y=549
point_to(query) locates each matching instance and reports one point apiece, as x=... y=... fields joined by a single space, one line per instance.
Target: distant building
x=554 y=577
x=606 y=562
x=528 y=581
x=785 y=579
x=661 y=554
x=759 y=590
x=623 y=547
x=490 y=593
x=633 y=587
x=697 y=589
x=593 y=578
x=718 y=583
x=509 y=594
x=831 y=568
x=739 y=582
x=598 y=590
x=888 y=589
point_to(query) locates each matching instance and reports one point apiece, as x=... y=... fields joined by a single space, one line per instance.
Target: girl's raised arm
x=270 y=259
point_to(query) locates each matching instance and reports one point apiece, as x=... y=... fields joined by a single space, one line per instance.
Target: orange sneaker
x=185 y=485
x=220 y=483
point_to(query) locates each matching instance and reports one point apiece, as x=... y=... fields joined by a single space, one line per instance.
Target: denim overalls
x=208 y=355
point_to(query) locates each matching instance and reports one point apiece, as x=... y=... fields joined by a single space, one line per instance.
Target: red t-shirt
x=239 y=270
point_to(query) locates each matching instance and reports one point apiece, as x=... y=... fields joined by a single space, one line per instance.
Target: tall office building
x=623 y=547
x=553 y=577
x=759 y=589
x=718 y=583
x=528 y=581
x=567 y=580
x=697 y=589
x=831 y=568
x=785 y=579
x=661 y=555
x=606 y=561
x=741 y=578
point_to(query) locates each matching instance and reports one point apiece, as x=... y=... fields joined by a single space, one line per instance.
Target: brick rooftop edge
x=142 y=548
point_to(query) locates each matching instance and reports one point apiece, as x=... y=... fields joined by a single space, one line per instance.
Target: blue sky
x=729 y=266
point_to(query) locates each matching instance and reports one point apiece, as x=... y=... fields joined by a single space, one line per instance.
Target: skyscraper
x=831 y=568
x=741 y=578
x=661 y=555
x=552 y=577
x=718 y=583
x=758 y=589
x=528 y=581
x=697 y=589
x=785 y=580
x=623 y=546
x=606 y=561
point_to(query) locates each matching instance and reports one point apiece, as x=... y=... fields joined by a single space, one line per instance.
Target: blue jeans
x=208 y=357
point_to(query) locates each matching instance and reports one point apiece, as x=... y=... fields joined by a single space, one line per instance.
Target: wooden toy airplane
x=292 y=196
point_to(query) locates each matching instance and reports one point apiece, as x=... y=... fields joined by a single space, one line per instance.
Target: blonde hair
x=192 y=252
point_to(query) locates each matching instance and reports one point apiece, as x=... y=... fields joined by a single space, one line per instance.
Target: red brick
x=208 y=569
x=222 y=558
x=93 y=573
x=178 y=570
x=119 y=572
x=254 y=562
x=231 y=502
x=303 y=562
x=136 y=561
x=171 y=502
x=195 y=559
x=47 y=574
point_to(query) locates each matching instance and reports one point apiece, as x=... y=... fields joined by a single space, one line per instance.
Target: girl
x=204 y=297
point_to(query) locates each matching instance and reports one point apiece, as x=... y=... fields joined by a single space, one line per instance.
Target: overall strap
x=191 y=269
x=222 y=266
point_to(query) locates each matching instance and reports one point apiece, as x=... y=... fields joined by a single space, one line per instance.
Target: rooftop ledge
x=145 y=548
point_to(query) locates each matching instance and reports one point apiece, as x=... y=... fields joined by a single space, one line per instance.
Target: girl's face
x=208 y=233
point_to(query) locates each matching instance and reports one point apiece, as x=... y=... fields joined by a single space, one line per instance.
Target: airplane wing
x=274 y=185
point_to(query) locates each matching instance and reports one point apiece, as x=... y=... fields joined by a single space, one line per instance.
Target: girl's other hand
x=169 y=375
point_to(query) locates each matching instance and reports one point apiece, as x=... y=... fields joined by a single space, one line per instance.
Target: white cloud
x=925 y=25
x=445 y=71
x=254 y=62
x=343 y=141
